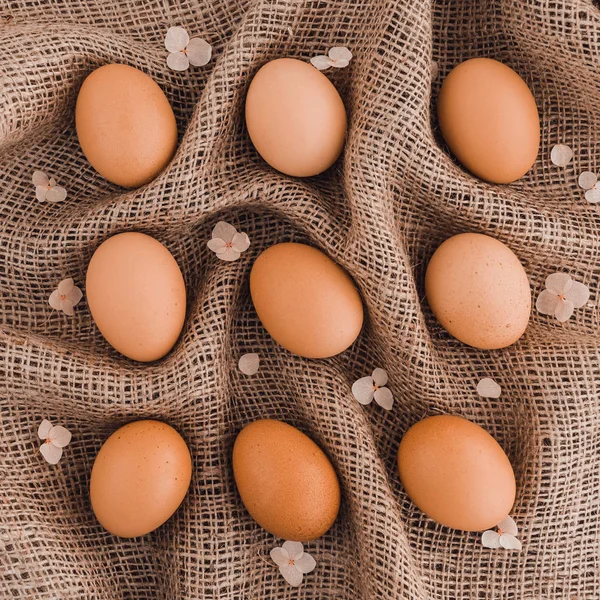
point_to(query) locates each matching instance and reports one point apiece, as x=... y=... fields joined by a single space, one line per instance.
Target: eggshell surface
x=140 y=477
x=125 y=125
x=285 y=480
x=136 y=295
x=308 y=303
x=456 y=473
x=489 y=119
x=479 y=291
x=295 y=117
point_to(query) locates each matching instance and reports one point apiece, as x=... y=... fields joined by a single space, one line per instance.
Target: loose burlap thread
x=379 y=212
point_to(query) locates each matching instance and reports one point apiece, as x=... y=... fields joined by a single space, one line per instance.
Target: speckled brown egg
x=489 y=119
x=295 y=117
x=479 y=291
x=308 y=303
x=139 y=478
x=285 y=480
x=136 y=294
x=456 y=473
x=125 y=125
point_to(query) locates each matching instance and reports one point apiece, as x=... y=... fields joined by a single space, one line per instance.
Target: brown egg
x=125 y=125
x=136 y=295
x=489 y=119
x=456 y=473
x=139 y=478
x=479 y=291
x=295 y=117
x=285 y=480
x=305 y=301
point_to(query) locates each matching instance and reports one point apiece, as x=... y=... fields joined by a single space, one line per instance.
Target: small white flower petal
x=490 y=539
x=510 y=542
x=177 y=39
x=363 y=390
x=40 y=192
x=294 y=549
x=558 y=282
x=593 y=196
x=279 y=556
x=380 y=377
x=177 y=61
x=587 y=180
x=321 y=62
x=44 y=429
x=340 y=64
x=240 y=242
x=564 y=310
x=40 y=179
x=488 y=388
x=198 y=52
x=508 y=525
x=59 y=436
x=435 y=70
x=547 y=302
x=561 y=155
x=217 y=245
x=340 y=53
x=51 y=452
x=249 y=363
x=54 y=300
x=229 y=255
x=291 y=574
x=56 y=194
x=51 y=182
x=75 y=295
x=66 y=286
x=383 y=396
x=224 y=230
x=67 y=307
x=305 y=563
x=578 y=294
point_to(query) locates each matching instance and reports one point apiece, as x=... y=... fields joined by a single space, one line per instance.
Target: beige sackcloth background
x=380 y=212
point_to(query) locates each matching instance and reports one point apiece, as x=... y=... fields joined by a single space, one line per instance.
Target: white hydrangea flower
x=46 y=189
x=227 y=243
x=184 y=51
x=65 y=297
x=293 y=562
x=561 y=155
x=339 y=57
x=562 y=296
x=505 y=537
x=589 y=182
x=249 y=363
x=368 y=388
x=55 y=439
x=488 y=388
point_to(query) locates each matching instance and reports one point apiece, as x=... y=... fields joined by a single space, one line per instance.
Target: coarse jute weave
x=380 y=212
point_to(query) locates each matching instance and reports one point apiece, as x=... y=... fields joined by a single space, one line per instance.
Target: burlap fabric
x=380 y=212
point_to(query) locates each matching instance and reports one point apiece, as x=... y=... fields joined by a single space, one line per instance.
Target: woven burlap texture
x=381 y=211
